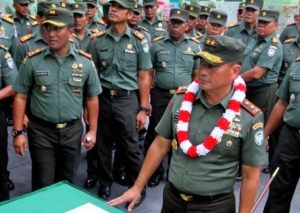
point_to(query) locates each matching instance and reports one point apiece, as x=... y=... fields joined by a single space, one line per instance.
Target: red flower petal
x=192 y=152
x=182 y=136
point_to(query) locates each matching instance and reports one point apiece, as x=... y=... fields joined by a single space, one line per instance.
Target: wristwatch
x=16 y=133
x=144 y=109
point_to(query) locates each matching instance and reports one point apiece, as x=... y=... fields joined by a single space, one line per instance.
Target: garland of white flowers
x=217 y=133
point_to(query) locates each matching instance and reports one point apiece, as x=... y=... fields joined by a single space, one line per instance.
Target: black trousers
x=4 y=192
x=117 y=123
x=54 y=152
x=174 y=204
x=159 y=101
x=287 y=158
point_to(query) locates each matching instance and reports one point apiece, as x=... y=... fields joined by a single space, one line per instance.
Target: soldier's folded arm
x=254 y=73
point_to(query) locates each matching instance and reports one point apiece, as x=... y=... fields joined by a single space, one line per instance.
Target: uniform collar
x=157 y=19
x=224 y=102
x=127 y=32
x=266 y=39
x=18 y=17
x=167 y=38
x=71 y=52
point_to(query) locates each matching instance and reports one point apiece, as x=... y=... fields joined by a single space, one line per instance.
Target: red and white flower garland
x=217 y=133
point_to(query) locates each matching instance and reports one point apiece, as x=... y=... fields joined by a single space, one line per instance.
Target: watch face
x=15 y=132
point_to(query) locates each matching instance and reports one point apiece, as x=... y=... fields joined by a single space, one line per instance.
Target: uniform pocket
x=76 y=85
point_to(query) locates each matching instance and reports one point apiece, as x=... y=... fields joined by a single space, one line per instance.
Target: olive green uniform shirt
x=215 y=172
x=85 y=43
x=57 y=87
x=265 y=53
x=118 y=60
x=290 y=31
x=173 y=62
x=96 y=25
x=239 y=31
x=156 y=29
x=8 y=34
x=291 y=51
x=8 y=71
x=289 y=91
x=24 y=25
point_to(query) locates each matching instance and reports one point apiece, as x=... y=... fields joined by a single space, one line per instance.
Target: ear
x=129 y=14
x=236 y=68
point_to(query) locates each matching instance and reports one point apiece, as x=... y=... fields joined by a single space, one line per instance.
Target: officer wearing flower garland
x=202 y=175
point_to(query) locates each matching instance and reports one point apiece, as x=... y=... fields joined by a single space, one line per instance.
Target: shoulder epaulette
x=101 y=21
x=34 y=52
x=33 y=17
x=98 y=34
x=3 y=47
x=26 y=37
x=85 y=54
x=297 y=59
x=34 y=23
x=8 y=19
x=181 y=90
x=138 y=34
x=232 y=25
x=250 y=107
x=95 y=30
x=196 y=39
x=291 y=23
x=289 y=40
x=143 y=28
x=275 y=40
x=158 y=38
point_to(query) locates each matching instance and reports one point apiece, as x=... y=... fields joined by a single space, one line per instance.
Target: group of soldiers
x=65 y=64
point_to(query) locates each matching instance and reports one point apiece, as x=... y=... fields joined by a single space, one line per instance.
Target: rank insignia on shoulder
x=8 y=19
x=33 y=17
x=291 y=23
x=87 y=55
x=250 y=107
x=275 y=40
x=143 y=28
x=138 y=34
x=158 y=38
x=196 y=39
x=97 y=34
x=34 y=23
x=297 y=59
x=34 y=52
x=289 y=40
x=101 y=21
x=232 y=25
x=26 y=37
x=4 y=47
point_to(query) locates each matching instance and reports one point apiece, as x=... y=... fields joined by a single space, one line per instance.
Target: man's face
x=216 y=78
x=214 y=29
x=191 y=23
x=265 y=29
x=150 y=11
x=240 y=14
x=136 y=18
x=250 y=15
x=21 y=9
x=57 y=37
x=118 y=14
x=202 y=22
x=177 y=29
x=80 y=22
x=91 y=10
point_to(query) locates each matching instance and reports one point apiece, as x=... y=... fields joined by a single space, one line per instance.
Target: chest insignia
x=234 y=129
x=292 y=97
x=228 y=144
x=174 y=144
x=189 y=51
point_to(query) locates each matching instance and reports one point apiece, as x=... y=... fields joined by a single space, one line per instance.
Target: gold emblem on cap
x=252 y=2
x=219 y=16
x=178 y=12
x=229 y=144
x=76 y=6
x=211 y=42
x=211 y=57
x=205 y=9
x=191 y=8
x=264 y=13
x=52 y=12
x=53 y=5
x=63 y=4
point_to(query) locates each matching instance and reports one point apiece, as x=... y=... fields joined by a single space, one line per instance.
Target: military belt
x=60 y=125
x=170 y=91
x=294 y=129
x=187 y=197
x=118 y=93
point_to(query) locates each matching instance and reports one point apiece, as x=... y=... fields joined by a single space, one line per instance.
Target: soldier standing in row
x=202 y=19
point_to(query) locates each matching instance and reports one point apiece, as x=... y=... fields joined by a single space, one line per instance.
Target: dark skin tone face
x=21 y=9
x=265 y=29
x=118 y=14
x=177 y=29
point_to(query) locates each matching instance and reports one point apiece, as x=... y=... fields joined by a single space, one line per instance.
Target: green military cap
x=23 y=1
x=255 y=4
x=128 y=4
x=192 y=9
x=179 y=14
x=241 y=6
x=59 y=17
x=79 y=8
x=218 y=17
x=138 y=9
x=204 y=10
x=149 y=3
x=93 y=2
x=219 y=50
x=268 y=15
x=43 y=6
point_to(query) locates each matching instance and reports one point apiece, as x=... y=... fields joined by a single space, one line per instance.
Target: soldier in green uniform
x=81 y=33
x=286 y=156
x=245 y=30
x=57 y=80
x=123 y=60
x=202 y=19
x=261 y=65
x=23 y=22
x=94 y=24
x=290 y=31
x=291 y=51
x=8 y=34
x=201 y=181
x=9 y=9
x=216 y=24
x=192 y=21
x=156 y=27
x=174 y=66
x=8 y=73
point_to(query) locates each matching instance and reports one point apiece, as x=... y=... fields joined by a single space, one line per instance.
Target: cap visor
x=55 y=23
x=204 y=14
x=149 y=4
x=120 y=2
x=177 y=18
x=267 y=19
x=217 y=22
x=210 y=58
x=79 y=12
x=252 y=6
x=92 y=3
